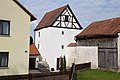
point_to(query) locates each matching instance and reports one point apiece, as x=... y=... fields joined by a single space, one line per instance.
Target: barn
x=104 y=34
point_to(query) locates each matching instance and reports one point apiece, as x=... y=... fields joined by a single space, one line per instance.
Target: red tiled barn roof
x=109 y=27
x=72 y=45
x=33 y=50
x=31 y=15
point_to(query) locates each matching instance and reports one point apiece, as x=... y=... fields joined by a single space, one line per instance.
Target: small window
x=4 y=27
x=39 y=34
x=38 y=46
x=4 y=59
x=62 y=32
x=66 y=18
x=62 y=46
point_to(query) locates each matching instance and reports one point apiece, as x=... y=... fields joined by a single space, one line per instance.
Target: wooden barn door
x=102 y=59
x=112 y=60
x=107 y=59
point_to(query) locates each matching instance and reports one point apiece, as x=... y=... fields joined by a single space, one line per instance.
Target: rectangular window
x=4 y=59
x=39 y=34
x=62 y=32
x=66 y=18
x=4 y=27
x=62 y=46
x=38 y=46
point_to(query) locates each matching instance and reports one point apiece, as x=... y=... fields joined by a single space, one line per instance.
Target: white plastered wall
x=118 y=51
x=82 y=54
x=51 y=40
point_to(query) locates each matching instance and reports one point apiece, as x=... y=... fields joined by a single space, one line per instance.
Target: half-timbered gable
x=62 y=17
x=67 y=20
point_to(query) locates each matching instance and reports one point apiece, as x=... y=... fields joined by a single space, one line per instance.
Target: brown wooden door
x=31 y=63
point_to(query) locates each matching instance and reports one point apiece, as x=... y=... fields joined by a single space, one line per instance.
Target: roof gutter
x=97 y=36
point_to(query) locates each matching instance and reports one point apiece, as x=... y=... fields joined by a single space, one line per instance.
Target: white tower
x=54 y=32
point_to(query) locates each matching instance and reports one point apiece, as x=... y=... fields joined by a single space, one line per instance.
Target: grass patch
x=98 y=75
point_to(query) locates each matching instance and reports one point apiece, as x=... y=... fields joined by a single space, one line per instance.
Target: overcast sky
x=86 y=11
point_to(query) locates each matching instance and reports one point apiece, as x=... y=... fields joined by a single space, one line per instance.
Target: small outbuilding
x=34 y=55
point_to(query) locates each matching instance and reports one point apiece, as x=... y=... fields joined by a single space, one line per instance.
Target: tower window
x=62 y=46
x=62 y=32
x=39 y=34
x=66 y=18
x=38 y=46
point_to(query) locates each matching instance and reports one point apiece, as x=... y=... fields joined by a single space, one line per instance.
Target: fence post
x=72 y=71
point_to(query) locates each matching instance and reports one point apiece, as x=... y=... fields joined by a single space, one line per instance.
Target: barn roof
x=50 y=17
x=72 y=45
x=104 y=28
x=31 y=15
x=33 y=50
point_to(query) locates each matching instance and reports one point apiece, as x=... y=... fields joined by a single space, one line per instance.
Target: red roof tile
x=50 y=17
x=109 y=27
x=72 y=45
x=31 y=15
x=33 y=50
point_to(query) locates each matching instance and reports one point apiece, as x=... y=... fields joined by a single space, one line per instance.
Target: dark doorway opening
x=31 y=63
